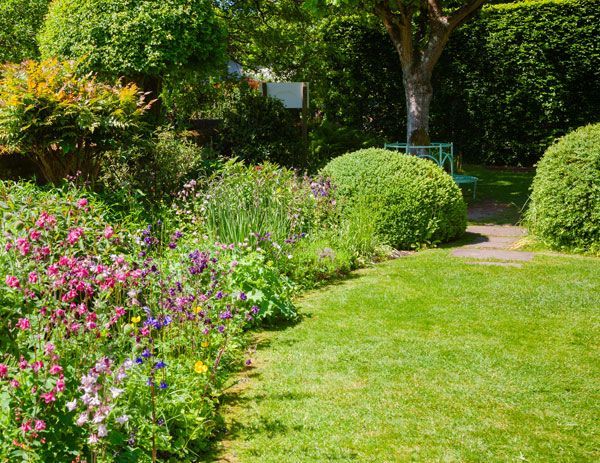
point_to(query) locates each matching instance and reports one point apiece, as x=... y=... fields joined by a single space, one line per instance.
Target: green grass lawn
x=429 y=359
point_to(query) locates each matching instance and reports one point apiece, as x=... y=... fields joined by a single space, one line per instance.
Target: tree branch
x=464 y=13
x=399 y=28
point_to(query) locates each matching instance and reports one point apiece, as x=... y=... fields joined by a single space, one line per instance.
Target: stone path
x=494 y=245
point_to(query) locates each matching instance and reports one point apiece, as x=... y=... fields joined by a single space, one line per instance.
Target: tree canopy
x=20 y=21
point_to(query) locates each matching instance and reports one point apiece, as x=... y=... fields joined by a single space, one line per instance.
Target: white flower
x=122 y=419
x=115 y=392
x=82 y=419
x=102 y=431
x=93 y=439
x=72 y=405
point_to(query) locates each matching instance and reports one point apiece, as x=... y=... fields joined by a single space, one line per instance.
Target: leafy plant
x=564 y=210
x=413 y=202
x=63 y=121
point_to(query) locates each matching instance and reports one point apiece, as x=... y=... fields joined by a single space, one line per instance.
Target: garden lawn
x=425 y=359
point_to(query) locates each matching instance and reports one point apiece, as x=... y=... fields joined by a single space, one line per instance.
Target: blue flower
x=139 y=360
x=163 y=385
x=160 y=364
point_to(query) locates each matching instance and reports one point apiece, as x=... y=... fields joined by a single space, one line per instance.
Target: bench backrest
x=439 y=152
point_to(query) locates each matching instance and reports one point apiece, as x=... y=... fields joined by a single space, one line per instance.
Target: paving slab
x=492 y=242
x=498 y=254
x=496 y=264
x=497 y=230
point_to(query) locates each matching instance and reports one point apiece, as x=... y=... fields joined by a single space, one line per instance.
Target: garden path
x=494 y=245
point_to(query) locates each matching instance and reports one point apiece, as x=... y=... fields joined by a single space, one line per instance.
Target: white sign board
x=290 y=93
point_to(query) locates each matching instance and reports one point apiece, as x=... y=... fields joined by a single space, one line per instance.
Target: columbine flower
x=72 y=405
x=82 y=419
x=115 y=392
x=122 y=419
x=163 y=385
x=102 y=431
x=12 y=281
x=40 y=425
x=160 y=364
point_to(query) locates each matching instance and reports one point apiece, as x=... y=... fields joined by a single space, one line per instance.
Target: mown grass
x=429 y=359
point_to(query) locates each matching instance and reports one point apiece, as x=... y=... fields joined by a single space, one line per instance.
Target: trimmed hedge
x=413 y=201
x=565 y=201
x=508 y=83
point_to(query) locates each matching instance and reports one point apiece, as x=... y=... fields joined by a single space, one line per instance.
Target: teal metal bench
x=440 y=153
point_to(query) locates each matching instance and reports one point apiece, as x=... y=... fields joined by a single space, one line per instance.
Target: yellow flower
x=204 y=344
x=197 y=309
x=136 y=319
x=200 y=367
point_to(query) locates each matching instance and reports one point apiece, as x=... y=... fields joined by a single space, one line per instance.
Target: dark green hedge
x=509 y=82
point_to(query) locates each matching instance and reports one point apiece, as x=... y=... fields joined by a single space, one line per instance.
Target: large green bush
x=565 y=200
x=413 y=201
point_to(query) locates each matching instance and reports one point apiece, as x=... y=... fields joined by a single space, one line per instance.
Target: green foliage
x=64 y=121
x=508 y=83
x=329 y=140
x=158 y=166
x=521 y=75
x=135 y=38
x=257 y=129
x=565 y=201
x=20 y=21
x=413 y=202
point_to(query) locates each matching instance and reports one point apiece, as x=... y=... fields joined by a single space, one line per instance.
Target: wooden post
x=305 y=112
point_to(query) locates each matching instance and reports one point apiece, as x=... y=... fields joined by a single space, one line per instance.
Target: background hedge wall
x=507 y=85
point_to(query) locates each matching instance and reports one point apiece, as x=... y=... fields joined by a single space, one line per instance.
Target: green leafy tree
x=62 y=120
x=419 y=30
x=141 y=40
x=20 y=21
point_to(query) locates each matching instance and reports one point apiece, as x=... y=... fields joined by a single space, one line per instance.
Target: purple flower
x=219 y=295
x=248 y=362
x=243 y=296
x=160 y=364
x=221 y=328
x=146 y=353
x=139 y=360
x=163 y=385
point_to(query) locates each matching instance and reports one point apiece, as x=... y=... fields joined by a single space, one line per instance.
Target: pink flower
x=48 y=397
x=52 y=270
x=14 y=383
x=60 y=385
x=55 y=369
x=82 y=202
x=74 y=235
x=119 y=311
x=40 y=425
x=34 y=235
x=23 y=324
x=23 y=363
x=12 y=281
x=26 y=426
x=3 y=370
x=23 y=246
x=49 y=348
x=33 y=277
x=46 y=220
x=37 y=366
x=108 y=232
x=82 y=419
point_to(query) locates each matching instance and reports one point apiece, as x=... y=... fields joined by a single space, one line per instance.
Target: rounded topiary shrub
x=413 y=201
x=565 y=202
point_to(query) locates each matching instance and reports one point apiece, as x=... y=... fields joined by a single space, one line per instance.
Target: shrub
x=257 y=129
x=63 y=121
x=20 y=21
x=413 y=201
x=565 y=201
x=159 y=166
x=329 y=140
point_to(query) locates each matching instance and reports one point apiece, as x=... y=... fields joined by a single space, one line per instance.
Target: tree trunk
x=418 y=92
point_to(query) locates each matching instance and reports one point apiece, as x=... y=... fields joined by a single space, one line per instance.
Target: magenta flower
x=40 y=425
x=108 y=232
x=26 y=426
x=34 y=235
x=81 y=203
x=3 y=370
x=74 y=235
x=23 y=324
x=12 y=281
x=55 y=369
x=48 y=397
x=32 y=277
